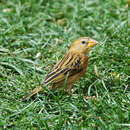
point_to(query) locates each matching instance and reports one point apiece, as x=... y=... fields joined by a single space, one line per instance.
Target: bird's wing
x=70 y=64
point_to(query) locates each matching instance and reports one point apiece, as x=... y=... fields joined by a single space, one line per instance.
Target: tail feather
x=33 y=92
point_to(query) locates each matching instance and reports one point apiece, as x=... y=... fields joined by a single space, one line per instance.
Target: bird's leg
x=68 y=91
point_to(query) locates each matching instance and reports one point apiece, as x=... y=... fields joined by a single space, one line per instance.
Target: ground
x=34 y=35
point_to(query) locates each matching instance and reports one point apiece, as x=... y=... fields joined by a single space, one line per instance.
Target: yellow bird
x=71 y=67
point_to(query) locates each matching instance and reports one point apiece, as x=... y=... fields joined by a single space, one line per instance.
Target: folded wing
x=70 y=64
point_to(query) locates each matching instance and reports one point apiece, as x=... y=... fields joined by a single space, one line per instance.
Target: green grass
x=32 y=40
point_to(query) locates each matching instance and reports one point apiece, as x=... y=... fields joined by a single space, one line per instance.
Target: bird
x=70 y=68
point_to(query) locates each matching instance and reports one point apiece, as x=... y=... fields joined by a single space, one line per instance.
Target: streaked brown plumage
x=73 y=64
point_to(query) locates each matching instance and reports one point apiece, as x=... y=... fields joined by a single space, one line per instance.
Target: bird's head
x=83 y=44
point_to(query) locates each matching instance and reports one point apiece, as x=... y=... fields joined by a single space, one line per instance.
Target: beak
x=92 y=43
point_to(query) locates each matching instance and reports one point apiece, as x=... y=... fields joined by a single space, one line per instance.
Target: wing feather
x=71 y=63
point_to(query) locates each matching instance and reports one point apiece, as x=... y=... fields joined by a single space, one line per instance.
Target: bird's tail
x=33 y=92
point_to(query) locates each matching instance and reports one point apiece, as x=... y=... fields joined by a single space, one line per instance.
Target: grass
x=34 y=35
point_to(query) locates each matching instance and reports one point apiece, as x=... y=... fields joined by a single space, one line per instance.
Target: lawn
x=34 y=35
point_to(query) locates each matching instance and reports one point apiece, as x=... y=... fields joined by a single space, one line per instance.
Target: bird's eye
x=83 y=42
